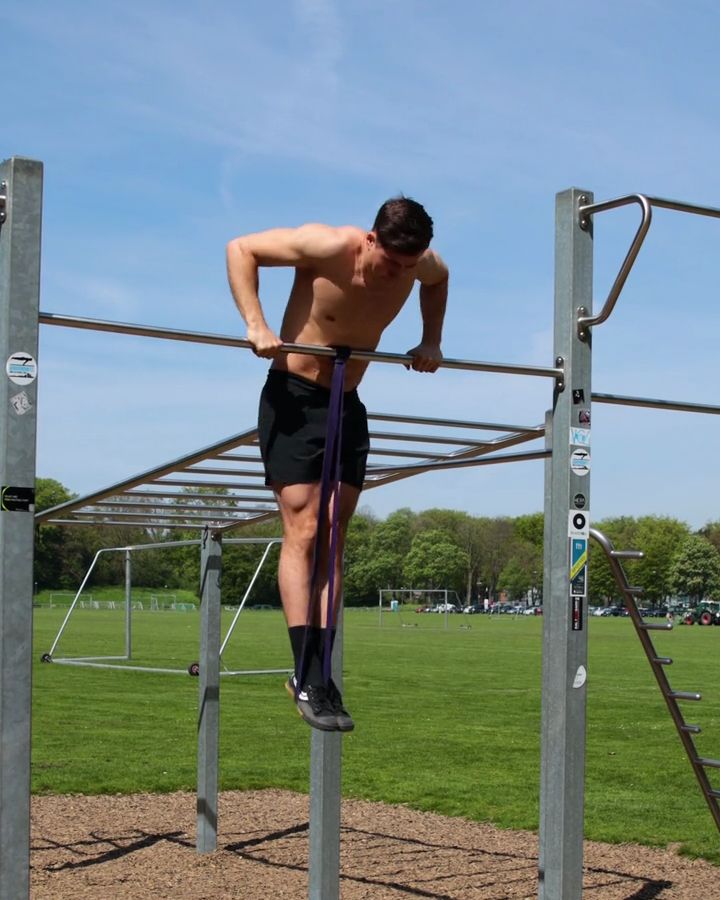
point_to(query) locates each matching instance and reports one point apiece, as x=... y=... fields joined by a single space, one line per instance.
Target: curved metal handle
x=586 y=322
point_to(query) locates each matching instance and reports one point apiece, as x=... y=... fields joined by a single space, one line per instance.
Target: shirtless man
x=349 y=286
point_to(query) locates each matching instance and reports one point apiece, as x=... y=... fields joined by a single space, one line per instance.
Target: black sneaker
x=342 y=716
x=313 y=705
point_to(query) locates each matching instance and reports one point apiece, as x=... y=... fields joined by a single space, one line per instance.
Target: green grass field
x=447 y=719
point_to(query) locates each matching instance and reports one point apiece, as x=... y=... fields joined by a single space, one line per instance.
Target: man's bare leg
x=299 y=505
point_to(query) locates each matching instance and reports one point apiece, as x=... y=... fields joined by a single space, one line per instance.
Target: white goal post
x=392 y=599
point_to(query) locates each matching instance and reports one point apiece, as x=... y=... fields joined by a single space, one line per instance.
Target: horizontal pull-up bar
x=307 y=349
x=380 y=471
x=648 y=402
x=586 y=210
x=662 y=203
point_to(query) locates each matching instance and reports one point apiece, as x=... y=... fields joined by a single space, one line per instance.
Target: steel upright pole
x=128 y=604
x=20 y=229
x=209 y=694
x=325 y=798
x=567 y=504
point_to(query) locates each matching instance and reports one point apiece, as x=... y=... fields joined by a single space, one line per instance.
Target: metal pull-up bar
x=586 y=210
x=197 y=337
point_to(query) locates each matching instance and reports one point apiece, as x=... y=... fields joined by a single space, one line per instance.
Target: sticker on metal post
x=21 y=368
x=578 y=395
x=578 y=566
x=578 y=524
x=580 y=501
x=584 y=417
x=21 y=403
x=576 y=614
x=17 y=499
x=580 y=462
x=580 y=437
x=580 y=677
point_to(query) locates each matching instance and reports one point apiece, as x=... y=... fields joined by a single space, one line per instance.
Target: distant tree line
x=476 y=556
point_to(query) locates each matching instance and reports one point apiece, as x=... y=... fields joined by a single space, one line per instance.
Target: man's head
x=401 y=233
x=403 y=226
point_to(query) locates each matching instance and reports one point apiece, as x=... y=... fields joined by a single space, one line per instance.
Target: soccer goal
x=157 y=603
x=396 y=602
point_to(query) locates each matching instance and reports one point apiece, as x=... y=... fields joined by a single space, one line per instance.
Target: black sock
x=322 y=638
x=306 y=643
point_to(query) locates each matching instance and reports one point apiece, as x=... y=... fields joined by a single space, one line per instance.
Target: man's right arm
x=297 y=247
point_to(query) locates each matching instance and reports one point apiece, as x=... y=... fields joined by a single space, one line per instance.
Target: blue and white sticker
x=21 y=368
x=580 y=462
x=580 y=437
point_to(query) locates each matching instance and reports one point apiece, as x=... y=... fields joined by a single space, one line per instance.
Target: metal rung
x=691 y=729
x=634 y=590
x=704 y=761
x=662 y=660
x=684 y=695
x=627 y=554
x=656 y=626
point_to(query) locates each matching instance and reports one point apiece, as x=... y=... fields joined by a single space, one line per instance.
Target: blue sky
x=166 y=129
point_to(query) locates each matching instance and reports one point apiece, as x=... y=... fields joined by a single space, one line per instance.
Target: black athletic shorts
x=292 y=425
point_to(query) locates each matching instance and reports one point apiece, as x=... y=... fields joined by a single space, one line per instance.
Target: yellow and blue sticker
x=578 y=566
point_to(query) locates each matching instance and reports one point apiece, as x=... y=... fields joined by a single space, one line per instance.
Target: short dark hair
x=404 y=226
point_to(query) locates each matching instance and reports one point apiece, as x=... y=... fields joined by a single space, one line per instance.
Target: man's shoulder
x=431 y=268
x=328 y=241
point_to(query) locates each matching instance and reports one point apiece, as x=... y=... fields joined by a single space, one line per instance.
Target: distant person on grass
x=349 y=286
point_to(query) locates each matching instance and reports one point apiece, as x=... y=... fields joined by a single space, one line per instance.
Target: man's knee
x=300 y=530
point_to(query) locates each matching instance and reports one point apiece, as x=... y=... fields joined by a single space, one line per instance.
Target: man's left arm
x=433 y=277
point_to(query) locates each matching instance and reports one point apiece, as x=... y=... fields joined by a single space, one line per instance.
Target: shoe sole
x=318 y=726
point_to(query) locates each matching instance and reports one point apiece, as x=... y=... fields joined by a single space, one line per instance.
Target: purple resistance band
x=329 y=487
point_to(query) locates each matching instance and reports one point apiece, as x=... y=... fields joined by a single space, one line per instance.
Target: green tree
x=622 y=532
x=462 y=530
x=531 y=528
x=381 y=566
x=495 y=549
x=695 y=569
x=659 y=538
x=49 y=539
x=711 y=531
x=357 y=551
x=522 y=573
x=435 y=562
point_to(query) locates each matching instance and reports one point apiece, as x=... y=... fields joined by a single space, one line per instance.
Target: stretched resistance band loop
x=329 y=487
x=334 y=528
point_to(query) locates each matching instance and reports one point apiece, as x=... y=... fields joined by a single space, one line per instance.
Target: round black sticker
x=579 y=501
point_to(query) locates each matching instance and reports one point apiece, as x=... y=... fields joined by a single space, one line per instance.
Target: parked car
x=473 y=609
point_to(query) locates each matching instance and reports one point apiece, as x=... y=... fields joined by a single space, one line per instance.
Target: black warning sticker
x=17 y=499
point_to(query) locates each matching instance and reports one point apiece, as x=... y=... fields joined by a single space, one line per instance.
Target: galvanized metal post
x=209 y=693
x=325 y=799
x=21 y=184
x=565 y=588
x=128 y=604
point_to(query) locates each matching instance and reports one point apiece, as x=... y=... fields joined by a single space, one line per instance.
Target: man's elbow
x=238 y=253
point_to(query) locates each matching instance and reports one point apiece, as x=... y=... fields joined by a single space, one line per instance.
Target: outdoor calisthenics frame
x=567 y=458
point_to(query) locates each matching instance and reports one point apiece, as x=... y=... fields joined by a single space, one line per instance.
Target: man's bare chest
x=352 y=302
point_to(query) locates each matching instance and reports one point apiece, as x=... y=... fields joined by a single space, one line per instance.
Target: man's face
x=387 y=266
